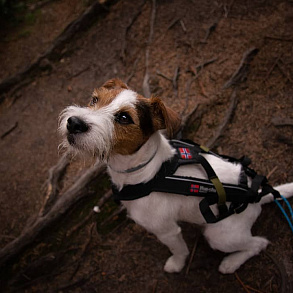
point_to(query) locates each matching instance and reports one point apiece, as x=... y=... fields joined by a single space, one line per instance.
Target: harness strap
x=266 y=189
x=206 y=211
x=212 y=191
x=222 y=197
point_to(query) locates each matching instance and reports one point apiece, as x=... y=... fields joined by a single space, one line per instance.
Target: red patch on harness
x=194 y=188
x=185 y=153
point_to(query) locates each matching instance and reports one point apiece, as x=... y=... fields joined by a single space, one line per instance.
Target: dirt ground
x=186 y=33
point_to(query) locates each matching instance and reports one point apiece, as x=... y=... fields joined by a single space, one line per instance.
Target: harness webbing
x=212 y=190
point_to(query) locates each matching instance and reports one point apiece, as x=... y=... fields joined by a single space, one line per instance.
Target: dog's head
x=116 y=120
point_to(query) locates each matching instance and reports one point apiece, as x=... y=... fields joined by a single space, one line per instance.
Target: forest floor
x=116 y=255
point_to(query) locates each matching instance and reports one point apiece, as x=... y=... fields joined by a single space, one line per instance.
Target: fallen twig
x=282 y=271
x=241 y=283
x=9 y=130
x=233 y=103
x=278 y=121
x=104 y=198
x=188 y=86
x=228 y=8
x=77 y=283
x=203 y=91
x=254 y=290
x=284 y=139
x=83 y=250
x=133 y=70
x=196 y=72
x=79 y=72
x=7 y=237
x=183 y=25
x=155 y=286
x=38 y=4
x=279 y=38
x=79 y=224
x=197 y=68
x=241 y=73
x=187 y=120
x=192 y=254
x=145 y=85
x=134 y=18
x=286 y=74
x=37 y=270
x=195 y=115
x=162 y=35
x=271 y=172
x=211 y=29
x=164 y=76
x=175 y=80
x=272 y=68
x=172 y=23
x=117 y=212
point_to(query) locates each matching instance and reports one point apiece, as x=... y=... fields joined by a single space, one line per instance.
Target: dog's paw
x=174 y=264
x=233 y=261
x=229 y=265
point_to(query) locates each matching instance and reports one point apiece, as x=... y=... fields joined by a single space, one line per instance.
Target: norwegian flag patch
x=194 y=188
x=185 y=153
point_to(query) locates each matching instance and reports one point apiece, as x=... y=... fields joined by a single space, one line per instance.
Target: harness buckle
x=238 y=208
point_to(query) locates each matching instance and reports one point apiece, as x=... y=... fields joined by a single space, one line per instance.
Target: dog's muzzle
x=75 y=126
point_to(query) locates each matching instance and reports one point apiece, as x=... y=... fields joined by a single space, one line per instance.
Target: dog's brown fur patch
x=164 y=117
x=115 y=83
x=129 y=138
x=105 y=96
x=108 y=92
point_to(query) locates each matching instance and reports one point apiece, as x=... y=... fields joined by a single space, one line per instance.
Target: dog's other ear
x=115 y=83
x=165 y=117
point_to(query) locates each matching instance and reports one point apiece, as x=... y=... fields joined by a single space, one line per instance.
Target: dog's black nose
x=76 y=125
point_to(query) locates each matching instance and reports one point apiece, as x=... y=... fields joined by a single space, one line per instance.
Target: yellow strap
x=204 y=148
x=220 y=190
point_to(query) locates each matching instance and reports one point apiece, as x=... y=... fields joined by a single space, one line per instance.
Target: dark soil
x=119 y=256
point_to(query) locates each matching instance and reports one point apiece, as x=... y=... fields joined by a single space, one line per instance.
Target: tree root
x=70 y=197
x=81 y=23
x=55 y=175
x=241 y=73
x=221 y=129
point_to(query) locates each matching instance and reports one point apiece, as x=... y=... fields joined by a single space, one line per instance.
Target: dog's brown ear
x=165 y=117
x=115 y=83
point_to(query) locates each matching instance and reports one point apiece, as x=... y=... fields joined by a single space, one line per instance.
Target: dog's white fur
x=159 y=212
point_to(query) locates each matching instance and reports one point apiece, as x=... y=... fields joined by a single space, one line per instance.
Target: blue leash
x=284 y=212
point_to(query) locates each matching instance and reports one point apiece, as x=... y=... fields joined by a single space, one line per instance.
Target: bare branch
x=145 y=85
x=233 y=103
x=278 y=121
x=241 y=73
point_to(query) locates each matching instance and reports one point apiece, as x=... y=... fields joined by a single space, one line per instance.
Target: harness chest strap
x=212 y=190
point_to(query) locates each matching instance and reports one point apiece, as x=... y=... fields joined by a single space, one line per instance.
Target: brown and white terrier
x=123 y=129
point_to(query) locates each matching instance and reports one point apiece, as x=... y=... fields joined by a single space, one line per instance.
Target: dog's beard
x=96 y=142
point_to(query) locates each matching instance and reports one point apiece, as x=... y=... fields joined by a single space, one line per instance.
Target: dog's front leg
x=158 y=216
x=175 y=242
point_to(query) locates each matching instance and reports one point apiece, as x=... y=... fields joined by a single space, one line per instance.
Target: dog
x=127 y=131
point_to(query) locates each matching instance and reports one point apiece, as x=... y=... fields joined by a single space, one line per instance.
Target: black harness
x=212 y=190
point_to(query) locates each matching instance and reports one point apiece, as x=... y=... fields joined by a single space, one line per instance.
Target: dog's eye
x=94 y=101
x=123 y=118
